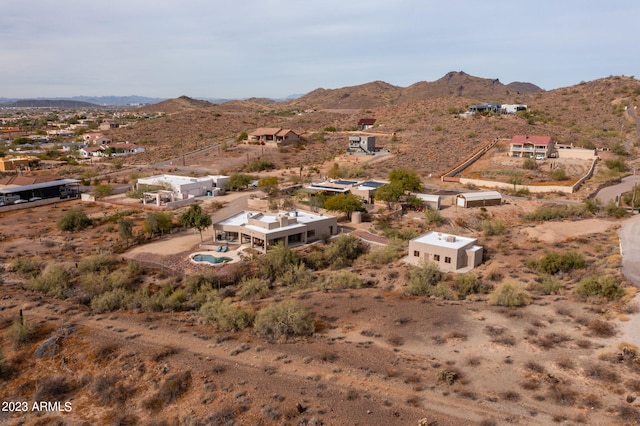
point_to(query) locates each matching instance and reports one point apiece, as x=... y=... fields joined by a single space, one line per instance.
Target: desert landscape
x=118 y=325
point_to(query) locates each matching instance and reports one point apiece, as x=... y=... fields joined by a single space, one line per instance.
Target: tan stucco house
x=274 y=135
x=449 y=252
x=262 y=230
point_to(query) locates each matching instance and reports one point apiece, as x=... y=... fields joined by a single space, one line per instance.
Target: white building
x=180 y=187
x=449 y=252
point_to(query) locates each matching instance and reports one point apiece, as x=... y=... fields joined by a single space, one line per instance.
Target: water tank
x=356 y=217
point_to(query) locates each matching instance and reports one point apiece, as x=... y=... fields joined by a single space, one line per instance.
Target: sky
x=276 y=48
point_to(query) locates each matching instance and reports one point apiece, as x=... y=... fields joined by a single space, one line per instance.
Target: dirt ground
x=376 y=357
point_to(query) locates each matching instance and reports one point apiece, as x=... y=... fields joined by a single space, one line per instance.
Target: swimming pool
x=207 y=258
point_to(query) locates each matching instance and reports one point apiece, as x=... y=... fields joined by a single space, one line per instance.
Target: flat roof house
x=449 y=252
x=530 y=146
x=262 y=230
x=273 y=135
x=362 y=144
x=179 y=187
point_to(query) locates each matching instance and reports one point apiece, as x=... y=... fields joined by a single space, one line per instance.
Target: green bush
x=384 y=255
x=493 y=227
x=73 y=220
x=111 y=300
x=226 y=316
x=433 y=217
x=617 y=164
x=342 y=280
x=554 y=262
x=278 y=260
x=53 y=281
x=96 y=263
x=441 y=290
x=469 y=283
x=509 y=294
x=602 y=286
x=529 y=164
x=21 y=331
x=546 y=285
x=343 y=250
x=27 y=266
x=559 y=174
x=288 y=318
x=253 y=288
x=297 y=276
x=259 y=165
x=423 y=278
x=613 y=210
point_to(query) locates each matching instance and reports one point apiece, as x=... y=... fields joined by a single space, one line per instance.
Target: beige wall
x=427 y=252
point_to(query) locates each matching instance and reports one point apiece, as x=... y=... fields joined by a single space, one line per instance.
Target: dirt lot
x=376 y=357
x=497 y=165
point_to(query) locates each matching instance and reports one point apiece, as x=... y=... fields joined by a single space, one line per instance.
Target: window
x=416 y=253
x=436 y=257
x=311 y=233
x=447 y=259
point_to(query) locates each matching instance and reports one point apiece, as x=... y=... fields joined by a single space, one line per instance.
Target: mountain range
x=452 y=84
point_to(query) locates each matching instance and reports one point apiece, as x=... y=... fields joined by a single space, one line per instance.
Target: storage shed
x=479 y=199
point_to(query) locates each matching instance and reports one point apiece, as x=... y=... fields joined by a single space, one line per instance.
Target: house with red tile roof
x=531 y=146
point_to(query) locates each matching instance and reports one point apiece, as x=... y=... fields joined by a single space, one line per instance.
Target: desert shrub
x=602 y=286
x=53 y=281
x=559 y=174
x=288 y=318
x=53 y=389
x=73 y=220
x=343 y=250
x=394 y=250
x=602 y=373
x=448 y=376
x=21 y=331
x=423 y=277
x=616 y=164
x=613 y=210
x=27 y=266
x=563 y=394
x=111 y=300
x=529 y=164
x=509 y=294
x=297 y=276
x=253 y=287
x=259 y=165
x=226 y=316
x=554 y=262
x=555 y=212
x=547 y=284
x=342 y=280
x=442 y=290
x=96 y=263
x=493 y=227
x=469 y=283
x=109 y=390
x=433 y=217
x=173 y=387
x=277 y=261
x=601 y=328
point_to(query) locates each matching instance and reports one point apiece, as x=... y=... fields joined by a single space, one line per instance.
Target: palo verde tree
x=345 y=203
x=195 y=218
x=125 y=230
x=269 y=185
x=157 y=223
x=407 y=179
x=390 y=193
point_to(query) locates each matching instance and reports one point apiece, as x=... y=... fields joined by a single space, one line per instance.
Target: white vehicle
x=20 y=201
x=539 y=157
x=35 y=198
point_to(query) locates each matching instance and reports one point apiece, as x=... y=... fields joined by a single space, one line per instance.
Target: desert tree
x=73 y=220
x=195 y=218
x=407 y=179
x=157 y=223
x=390 y=193
x=345 y=203
x=125 y=230
x=269 y=185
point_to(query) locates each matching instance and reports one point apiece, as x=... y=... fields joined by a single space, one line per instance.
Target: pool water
x=210 y=259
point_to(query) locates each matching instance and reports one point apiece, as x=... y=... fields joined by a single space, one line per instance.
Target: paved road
x=609 y=193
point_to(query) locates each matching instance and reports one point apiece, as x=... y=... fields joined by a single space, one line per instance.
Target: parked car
x=20 y=201
x=35 y=198
x=539 y=157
